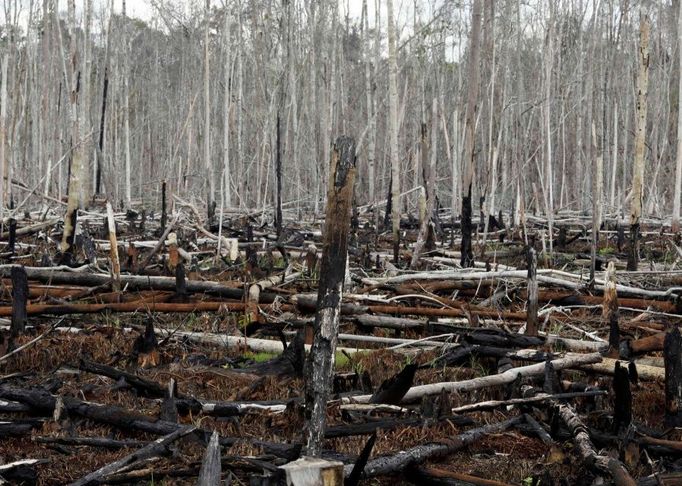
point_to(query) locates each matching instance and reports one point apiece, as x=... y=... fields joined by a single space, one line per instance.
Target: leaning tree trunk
x=320 y=365
x=638 y=172
x=467 y=258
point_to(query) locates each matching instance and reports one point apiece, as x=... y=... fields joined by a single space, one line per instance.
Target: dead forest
x=310 y=242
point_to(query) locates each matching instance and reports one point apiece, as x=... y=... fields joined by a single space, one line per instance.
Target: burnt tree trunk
x=672 y=351
x=278 y=172
x=163 y=207
x=320 y=365
x=11 y=242
x=532 y=319
x=19 y=301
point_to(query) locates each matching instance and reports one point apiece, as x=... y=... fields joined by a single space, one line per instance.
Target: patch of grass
x=260 y=357
x=607 y=250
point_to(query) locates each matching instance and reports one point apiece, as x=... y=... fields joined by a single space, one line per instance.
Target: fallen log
x=599 y=463
x=416 y=392
x=131 y=282
x=145 y=387
x=154 y=449
x=91 y=442
x=395 y=464
x=539 y=398
x=137 y=306
x=441 y=477
x=607 y=365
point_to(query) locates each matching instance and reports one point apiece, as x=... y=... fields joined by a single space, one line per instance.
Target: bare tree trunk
x=226 y=193
x=430 y=182
x=638 y=169
x=74 y=201
x=678 y=165
x=393 y=130
x=3 y=133
x=473 y=81
x=320 y=364
x=210 y=181
x=371 y=129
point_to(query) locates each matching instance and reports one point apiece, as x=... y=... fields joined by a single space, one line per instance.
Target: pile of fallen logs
x=194 y=349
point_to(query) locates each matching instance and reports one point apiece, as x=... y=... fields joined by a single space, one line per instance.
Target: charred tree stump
x=672 y=351
x=532 y=319
x=180 y=282
x=320 y=366
x=11 y=242
x=392 y=390
x=622 y=402
x=19 y=302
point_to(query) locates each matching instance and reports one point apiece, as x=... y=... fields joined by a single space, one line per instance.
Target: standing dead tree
x=467 y=258
x=638 y=170
x=320 y=365
x=393 y=130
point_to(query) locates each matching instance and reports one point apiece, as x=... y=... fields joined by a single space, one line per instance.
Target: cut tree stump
x=312 y=471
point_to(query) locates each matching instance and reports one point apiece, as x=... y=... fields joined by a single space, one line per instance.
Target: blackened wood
x=100 y=152
x=180 y=282
x=209 y=475
x=432 y=476
x=278 y=175
x=552 y=382
x=164 y=216
x=633 y=253
x=631 y=348
x=320 y=366
x=467 y=258
x=392 y=390
x=145 y=347
x=395 y=464
x=17 y=428
x=532 y=319
x=19 y=302
x=143 y=386
x=134 y=282
x=11 y=242
x=154 y=449
x=539 y=430
x=672 y=352
x=290 y=363
x=353 y=479
x=365 y=428
x=622 y=400
x=103 y=442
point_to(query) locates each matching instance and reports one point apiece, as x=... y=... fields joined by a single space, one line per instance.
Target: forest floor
x=52 y=394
